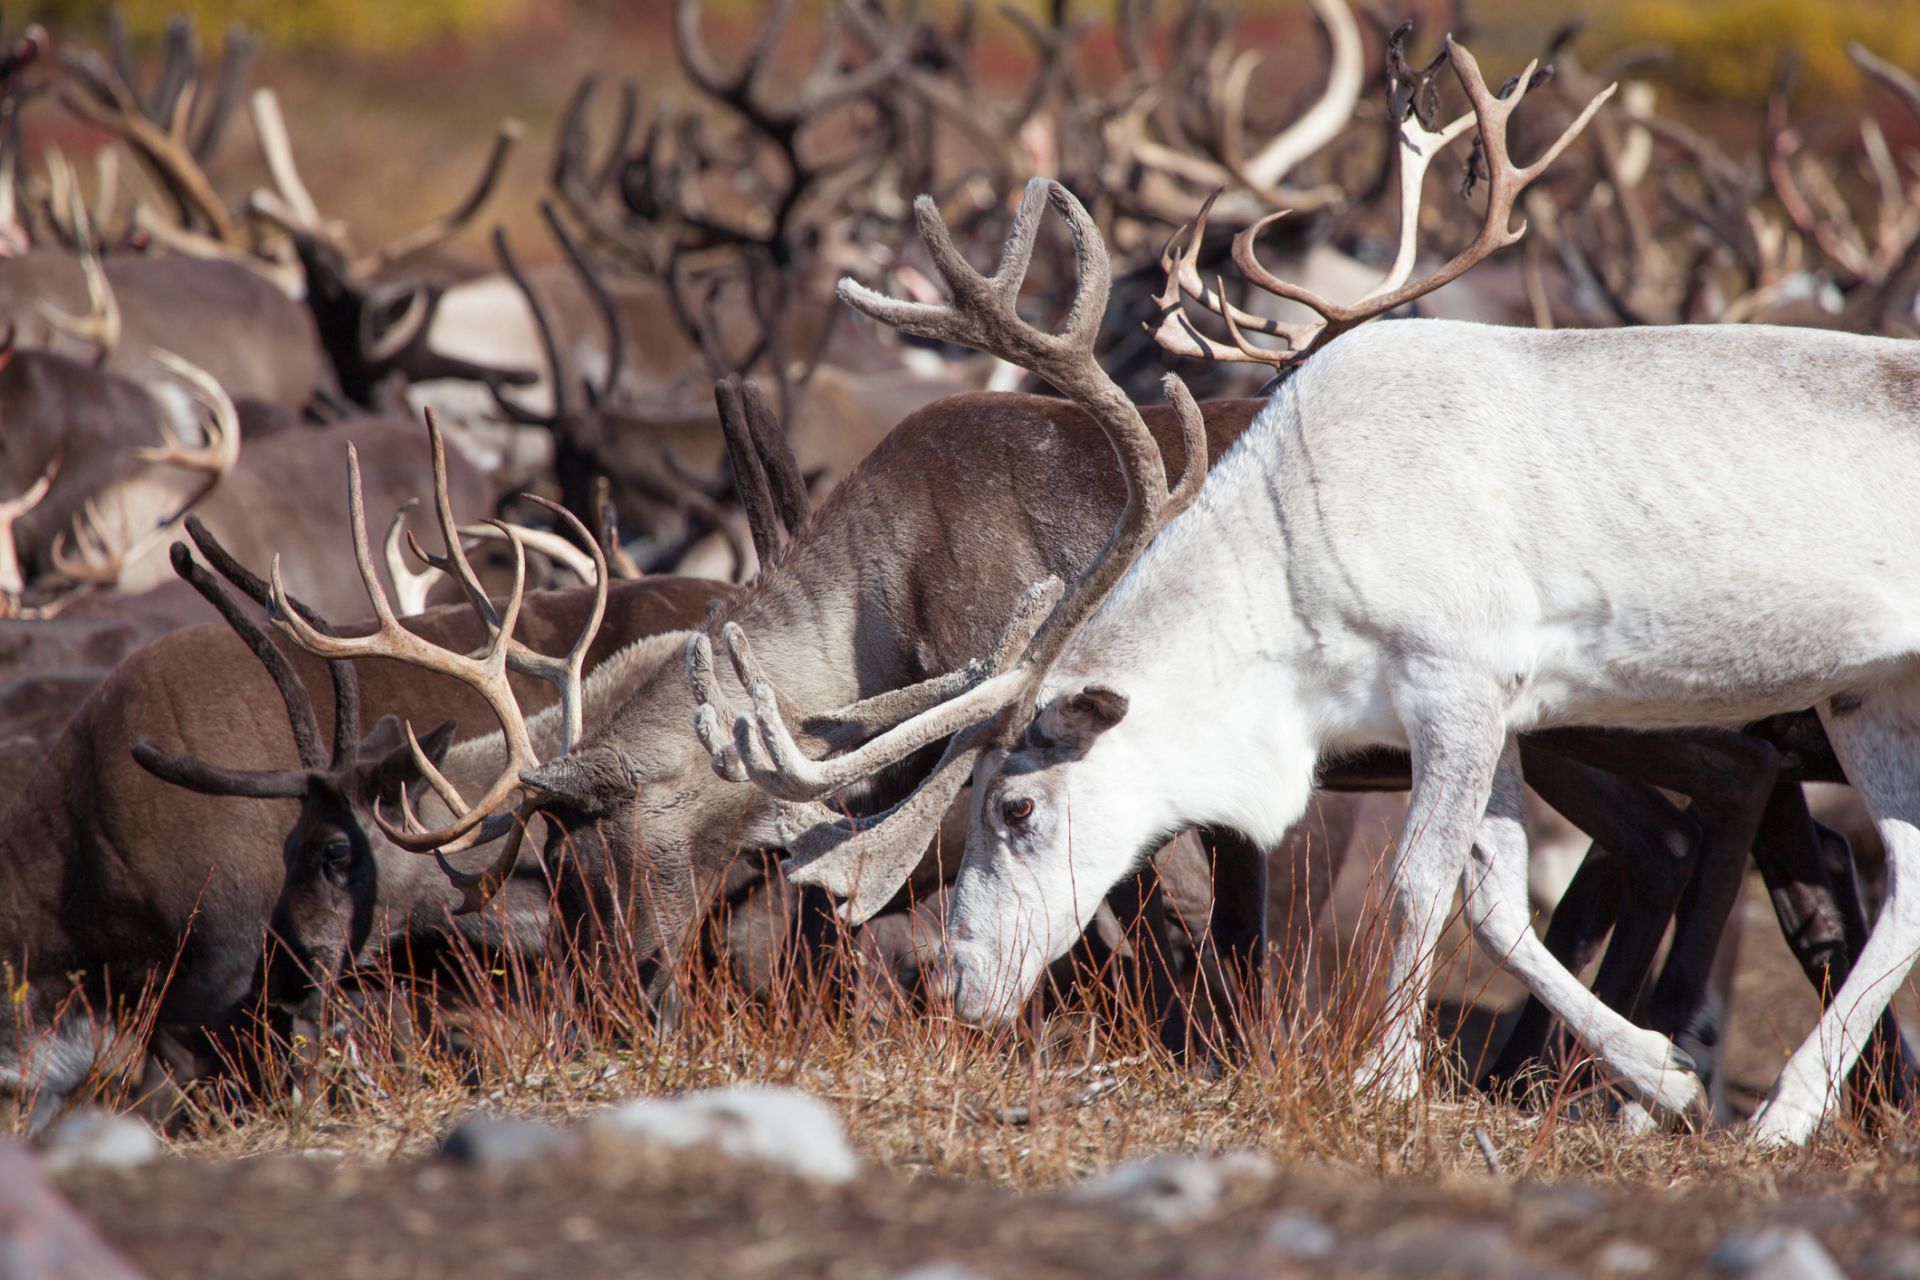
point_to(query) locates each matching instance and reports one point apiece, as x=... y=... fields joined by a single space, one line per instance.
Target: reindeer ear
x=1074 y=720
x=384 y=752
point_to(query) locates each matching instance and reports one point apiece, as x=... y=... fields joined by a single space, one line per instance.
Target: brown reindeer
x=115 y=876
x=258 y=343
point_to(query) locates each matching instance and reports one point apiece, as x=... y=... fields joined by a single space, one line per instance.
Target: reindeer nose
x=940 y=978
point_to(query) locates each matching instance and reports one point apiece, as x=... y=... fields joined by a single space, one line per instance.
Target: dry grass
x=1075 y=1090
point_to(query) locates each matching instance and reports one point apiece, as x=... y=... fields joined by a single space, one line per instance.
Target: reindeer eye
x=1017 y=811
x=336 y=855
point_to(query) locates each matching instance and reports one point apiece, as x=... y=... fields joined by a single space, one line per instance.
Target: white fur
x=1439 y=535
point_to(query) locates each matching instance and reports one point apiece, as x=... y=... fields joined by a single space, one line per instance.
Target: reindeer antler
x=101 y=324
x=1505 y=182
x=485 y=671
x=11 y=581
x=292 y=205
x=865 y=861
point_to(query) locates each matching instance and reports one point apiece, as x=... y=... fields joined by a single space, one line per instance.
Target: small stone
x=44 y=1237
x=1625 y=1258
x=99 y=1139
x=785 y=1128
x=1433 y=1247
x=1775 y=1253
x=941 y=1271
x=494 y=1142
x=1541 y=1208
x=1299 y=1236
x=1175 y=1188
x=1891 y=1258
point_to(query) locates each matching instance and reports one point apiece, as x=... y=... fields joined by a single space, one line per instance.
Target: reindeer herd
x=1610 y=502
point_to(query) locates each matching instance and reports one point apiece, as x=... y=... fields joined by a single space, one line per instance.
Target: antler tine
x=749 y=474
x=618 y=560
x=773 y=449
x=477 y=888
x=276 y=151
x=558 y=377
x=567 y=671
x=410 y=585
x=712 y=705
x=221 y=453
x=1322 y=122
x=101 y=325
x=336 y=646
x=444 y=228
x=603 y=302
x=551 y=545
x=457 y=565
x=698 y=63
x=1841 y=243
x=1903 y=85
x=236 y=60
x=346 y=683
x=1419 y=143
x=983 y=689
x=11 y=581
x=91 y=560
x=293 y=694
x=179 y=70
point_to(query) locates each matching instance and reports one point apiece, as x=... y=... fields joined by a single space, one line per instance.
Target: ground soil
x=285 y=1216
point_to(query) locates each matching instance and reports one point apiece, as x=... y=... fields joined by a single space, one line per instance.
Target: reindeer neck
x=1220 y=670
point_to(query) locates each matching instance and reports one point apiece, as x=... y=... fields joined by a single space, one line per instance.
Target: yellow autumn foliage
x=1731 y=49
x=361 y=26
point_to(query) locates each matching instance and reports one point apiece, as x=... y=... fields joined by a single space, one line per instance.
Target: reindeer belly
x=1716 y=658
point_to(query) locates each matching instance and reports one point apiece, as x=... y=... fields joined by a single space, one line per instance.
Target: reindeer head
x=335 y=851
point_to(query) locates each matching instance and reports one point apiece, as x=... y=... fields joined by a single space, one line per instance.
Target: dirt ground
x=1371 y=1191
x=285 y=1216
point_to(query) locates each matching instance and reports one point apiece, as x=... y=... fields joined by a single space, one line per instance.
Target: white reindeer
x=1437 y=535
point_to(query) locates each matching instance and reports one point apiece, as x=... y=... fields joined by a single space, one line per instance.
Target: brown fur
x=257 y=343
x=908 y=570
x=106 y=871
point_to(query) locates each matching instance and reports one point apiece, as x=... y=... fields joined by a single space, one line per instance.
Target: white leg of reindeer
x=1494 y=890
x=1877 y=741
x=1452 y=771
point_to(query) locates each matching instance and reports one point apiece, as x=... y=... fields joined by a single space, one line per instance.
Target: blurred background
x=387 y=103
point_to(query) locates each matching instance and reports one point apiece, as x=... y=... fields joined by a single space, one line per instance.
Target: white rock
x=782 y=1127
x=1776 y=1253
x=1299 y=1235
x=1625 y=1258
x=98 y=1138
x=941 y=1271
x=1175 y=1188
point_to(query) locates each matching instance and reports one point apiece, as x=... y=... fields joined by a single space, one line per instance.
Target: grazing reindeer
x=1438 y=580
x=110 y=872
x=348 y=893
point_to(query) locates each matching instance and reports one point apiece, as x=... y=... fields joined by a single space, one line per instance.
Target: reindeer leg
x=1808 y=870
x=1876 y=736
x=1630 y=882
x=1728 y=776
x=1140 y=908
x=1231 y=977
x=1494 y=889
